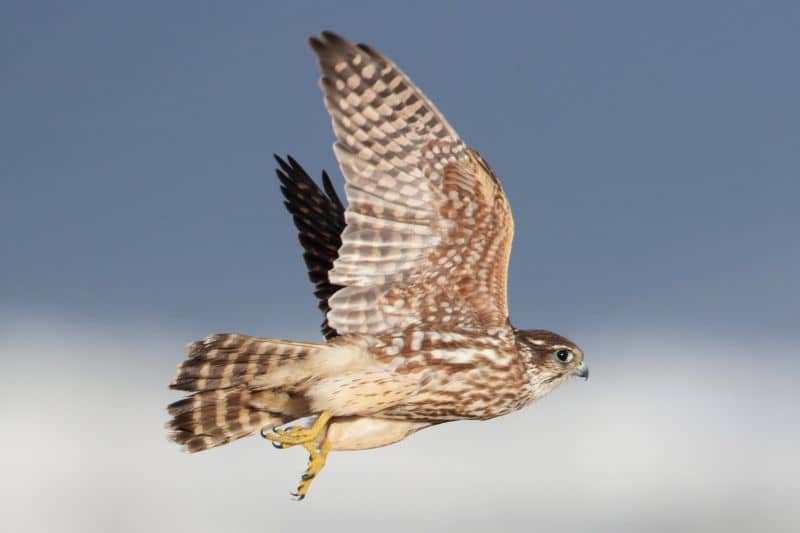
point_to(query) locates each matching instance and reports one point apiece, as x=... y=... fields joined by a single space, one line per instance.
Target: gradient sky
x=651 y=153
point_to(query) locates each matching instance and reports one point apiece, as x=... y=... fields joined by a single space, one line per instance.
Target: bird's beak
x=582 y=371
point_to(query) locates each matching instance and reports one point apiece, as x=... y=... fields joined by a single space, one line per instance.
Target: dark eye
x=565 y=356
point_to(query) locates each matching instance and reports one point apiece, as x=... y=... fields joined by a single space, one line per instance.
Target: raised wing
x=319 y=219
x=428 y=229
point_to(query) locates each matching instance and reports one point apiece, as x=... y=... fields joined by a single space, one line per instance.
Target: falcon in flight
x=411 y=277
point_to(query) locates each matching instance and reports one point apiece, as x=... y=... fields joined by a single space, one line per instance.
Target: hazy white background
x=651 y=152
x=689 y=435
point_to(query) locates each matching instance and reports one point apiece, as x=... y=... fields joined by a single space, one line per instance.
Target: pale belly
x=359 y=433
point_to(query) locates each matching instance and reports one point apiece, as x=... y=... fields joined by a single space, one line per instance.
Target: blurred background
x=651 y=152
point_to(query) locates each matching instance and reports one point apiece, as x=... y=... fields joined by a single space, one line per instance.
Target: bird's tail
x=230 y=396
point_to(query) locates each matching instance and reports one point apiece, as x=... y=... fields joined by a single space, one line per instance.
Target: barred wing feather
x=428 y=227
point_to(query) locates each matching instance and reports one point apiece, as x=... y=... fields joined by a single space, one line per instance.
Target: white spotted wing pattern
x=429 y=228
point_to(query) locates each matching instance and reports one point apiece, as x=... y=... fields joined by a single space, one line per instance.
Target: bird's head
x=553 y=357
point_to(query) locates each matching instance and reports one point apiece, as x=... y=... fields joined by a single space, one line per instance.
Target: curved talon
x=293 y=435
x=289 y=436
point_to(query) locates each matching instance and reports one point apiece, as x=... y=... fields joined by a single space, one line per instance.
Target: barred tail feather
x=208 y=419
x=225 y=405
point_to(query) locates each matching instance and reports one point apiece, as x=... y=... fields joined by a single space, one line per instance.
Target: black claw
x=278 y=445
x=263 y=433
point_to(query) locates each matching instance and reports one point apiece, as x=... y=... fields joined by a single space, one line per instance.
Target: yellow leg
x=316 y=460
x=283 y=438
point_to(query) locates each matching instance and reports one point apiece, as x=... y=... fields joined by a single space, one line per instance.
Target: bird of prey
x=410 y=276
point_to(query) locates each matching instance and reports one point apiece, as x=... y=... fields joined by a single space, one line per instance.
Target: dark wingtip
x=295 y=164
x=315 y=44
x=333 y=38
x=318 y=215
x=368 y=50
x=283 y=166
x=330 y=190
x=327 y=40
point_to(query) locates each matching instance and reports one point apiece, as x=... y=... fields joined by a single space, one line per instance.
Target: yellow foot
x=291 y=436
x=316 y=460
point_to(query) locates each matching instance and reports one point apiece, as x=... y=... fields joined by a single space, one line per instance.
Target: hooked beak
x=582 y=371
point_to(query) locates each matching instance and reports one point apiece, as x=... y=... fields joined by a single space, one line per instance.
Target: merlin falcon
x=411 y=278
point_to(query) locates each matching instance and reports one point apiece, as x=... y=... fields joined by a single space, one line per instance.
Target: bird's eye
x=565 y=356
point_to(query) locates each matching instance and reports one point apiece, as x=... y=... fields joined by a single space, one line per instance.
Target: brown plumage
x=411 y=278
x=226 y=405
x=319 y=218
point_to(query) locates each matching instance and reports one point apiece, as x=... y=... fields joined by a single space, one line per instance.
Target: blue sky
x=651 y=153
